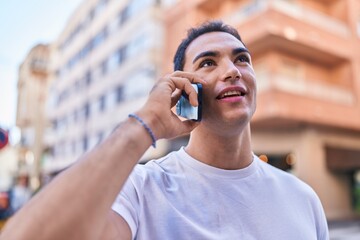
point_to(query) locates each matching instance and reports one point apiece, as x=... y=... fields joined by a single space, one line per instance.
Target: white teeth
x=231 y=93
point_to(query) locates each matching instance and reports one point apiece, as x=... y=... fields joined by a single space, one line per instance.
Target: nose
x=231 y=73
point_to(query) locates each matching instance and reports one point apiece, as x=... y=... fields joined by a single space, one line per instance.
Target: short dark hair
x=193 y=33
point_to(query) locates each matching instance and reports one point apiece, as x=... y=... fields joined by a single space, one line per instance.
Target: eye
x=207 y=63
x=243 y=58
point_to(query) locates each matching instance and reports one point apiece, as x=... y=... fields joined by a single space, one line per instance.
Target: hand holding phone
x=185 y=109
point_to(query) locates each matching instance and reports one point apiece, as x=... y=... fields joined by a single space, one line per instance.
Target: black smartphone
x=185 y=109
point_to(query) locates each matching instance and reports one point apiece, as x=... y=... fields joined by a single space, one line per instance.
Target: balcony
x=39 y=67
x=293 y=28
x=283 y=102
x=292 y=10
x=310 y=89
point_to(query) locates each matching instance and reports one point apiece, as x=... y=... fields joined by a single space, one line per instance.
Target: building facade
x=107 y=59
x=33 y=83
x=306 y=56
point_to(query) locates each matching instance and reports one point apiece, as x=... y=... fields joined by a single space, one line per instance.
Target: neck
x=225 y=152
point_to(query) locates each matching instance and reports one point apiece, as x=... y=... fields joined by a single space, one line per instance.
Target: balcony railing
x=293 y=10
x=308 y=88
x=39 y=66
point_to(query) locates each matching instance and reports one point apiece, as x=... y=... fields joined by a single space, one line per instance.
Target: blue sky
x=23 y=24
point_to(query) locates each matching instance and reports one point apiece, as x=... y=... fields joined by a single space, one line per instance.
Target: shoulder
x=291 y=188
x=285 y=180
x=155 y=169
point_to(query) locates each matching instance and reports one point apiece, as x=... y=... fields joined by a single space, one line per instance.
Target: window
x=71 y=36
x=100 y=6
x=102 y=101
x=85 y=143
x=86 y=49
x=100 y=137
x=91 y=14
x=87 y=110
x=100 y=37
x=75 y=115
x=119 y=94
x=121 y=54
x=104 y=67
x=54 y=124
x=88 y=78
x=113 y=61
x=123 y=15
x=81 y=114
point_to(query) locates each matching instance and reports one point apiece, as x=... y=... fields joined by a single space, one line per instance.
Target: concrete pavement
x=346 y=230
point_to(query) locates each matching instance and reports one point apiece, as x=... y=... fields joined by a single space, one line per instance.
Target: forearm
x=76 y=203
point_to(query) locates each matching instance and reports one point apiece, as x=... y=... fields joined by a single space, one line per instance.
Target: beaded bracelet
x=148 y=129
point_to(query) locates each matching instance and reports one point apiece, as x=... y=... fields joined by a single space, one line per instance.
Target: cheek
x=208 y=106
x=207 y=77
x=250 y=79
x=206 y=100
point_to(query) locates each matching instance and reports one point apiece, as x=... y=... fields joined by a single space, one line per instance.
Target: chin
x=227 y=116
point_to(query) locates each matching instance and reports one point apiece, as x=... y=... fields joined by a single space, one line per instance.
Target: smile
x=231 y=92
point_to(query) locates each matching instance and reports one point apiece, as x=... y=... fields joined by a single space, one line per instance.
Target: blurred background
x=71 y=71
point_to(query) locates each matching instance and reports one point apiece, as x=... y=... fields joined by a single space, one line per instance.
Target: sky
x=24 y=24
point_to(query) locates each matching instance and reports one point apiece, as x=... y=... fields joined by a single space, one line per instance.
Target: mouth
x=231 y=92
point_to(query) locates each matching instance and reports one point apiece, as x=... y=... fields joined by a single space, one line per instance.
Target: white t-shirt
x=178 y=197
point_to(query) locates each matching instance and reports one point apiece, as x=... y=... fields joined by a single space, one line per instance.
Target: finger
x=185 y=85
x=191 y=92
x=178 y=82
x=193 y=78
x=181 y=83
x=175 y=97
x=162 y=86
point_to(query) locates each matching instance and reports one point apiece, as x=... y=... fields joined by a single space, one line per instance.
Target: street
x=349 y=230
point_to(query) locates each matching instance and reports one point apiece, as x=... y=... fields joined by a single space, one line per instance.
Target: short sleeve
x=126 y=205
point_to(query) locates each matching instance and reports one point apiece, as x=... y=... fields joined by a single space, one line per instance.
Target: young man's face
x=224 y=62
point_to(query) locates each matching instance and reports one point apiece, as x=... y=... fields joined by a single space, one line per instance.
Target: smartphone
x=185 y=109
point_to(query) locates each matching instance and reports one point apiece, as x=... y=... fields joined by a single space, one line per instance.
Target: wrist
x=146 y=127
x=134 y=133
x=153 y=120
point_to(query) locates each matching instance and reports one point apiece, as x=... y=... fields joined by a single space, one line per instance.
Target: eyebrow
x=206 y=54
x=216 y=53
x=240 y=50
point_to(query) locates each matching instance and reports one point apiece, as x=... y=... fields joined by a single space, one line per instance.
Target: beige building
x=306 y=55
x=8 y=167
x=107 y=59
x=33 y=83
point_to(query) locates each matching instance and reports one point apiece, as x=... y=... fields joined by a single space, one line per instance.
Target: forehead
x=213 y=41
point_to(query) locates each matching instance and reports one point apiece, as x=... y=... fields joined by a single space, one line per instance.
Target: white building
x=107 y=59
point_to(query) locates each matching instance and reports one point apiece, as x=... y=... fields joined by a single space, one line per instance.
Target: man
x=214 y=188
x=20 y=192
